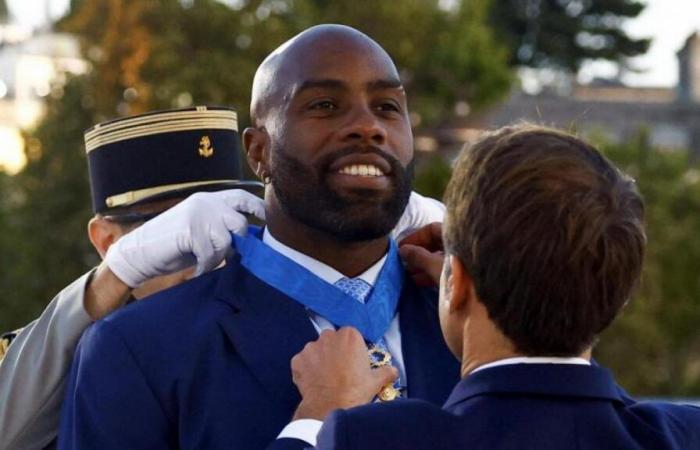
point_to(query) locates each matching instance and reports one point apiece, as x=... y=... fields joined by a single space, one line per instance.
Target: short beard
x=305 y=195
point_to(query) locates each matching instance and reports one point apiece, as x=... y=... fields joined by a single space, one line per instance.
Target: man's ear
x=102 y=234
x=256 y=142
x=462 y=293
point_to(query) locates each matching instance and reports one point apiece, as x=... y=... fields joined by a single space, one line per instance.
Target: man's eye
x=389 y=106
x=324 y=105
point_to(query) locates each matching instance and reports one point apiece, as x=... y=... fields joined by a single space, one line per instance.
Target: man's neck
x=484 y=343
x=349 y=258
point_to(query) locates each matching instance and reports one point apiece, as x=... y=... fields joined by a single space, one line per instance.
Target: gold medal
x=379 y=357
x=388 y=393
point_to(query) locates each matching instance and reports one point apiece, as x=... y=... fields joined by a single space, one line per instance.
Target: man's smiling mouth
x=363 y=170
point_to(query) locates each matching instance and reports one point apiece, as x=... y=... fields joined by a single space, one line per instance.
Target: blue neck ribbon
x=372 y=318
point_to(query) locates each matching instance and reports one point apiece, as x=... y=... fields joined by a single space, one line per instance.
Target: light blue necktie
x=359 y=289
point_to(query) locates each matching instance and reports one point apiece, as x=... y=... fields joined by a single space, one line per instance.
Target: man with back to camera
x=544 y=241
x=134 y=177
x=331 y=134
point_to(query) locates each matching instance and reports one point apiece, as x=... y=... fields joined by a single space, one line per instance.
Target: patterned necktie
x=378 y=352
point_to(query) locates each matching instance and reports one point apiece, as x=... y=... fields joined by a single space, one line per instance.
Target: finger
x=326 y=334
x=422 y=279
x=203 y=251
x=220 y=240
x=235 y=223
x=421 y=261
x=352 y=334
x=245 y=202
x=381 y=376
x=429 y=237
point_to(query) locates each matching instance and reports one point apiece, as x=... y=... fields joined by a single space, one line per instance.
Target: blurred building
x=33 y=66
x=605 y=108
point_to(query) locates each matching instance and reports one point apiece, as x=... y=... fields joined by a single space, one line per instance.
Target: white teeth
x=364 y=170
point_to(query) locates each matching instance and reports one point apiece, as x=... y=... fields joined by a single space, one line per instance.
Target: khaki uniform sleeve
x=34 y=368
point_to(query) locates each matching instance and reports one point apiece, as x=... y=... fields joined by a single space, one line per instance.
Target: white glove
x=419 y=212
x=193 y=232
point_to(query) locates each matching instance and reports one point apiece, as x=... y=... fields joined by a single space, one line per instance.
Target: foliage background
x=154 y=54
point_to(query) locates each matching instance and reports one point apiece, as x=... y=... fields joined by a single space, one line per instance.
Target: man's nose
x=365 y=126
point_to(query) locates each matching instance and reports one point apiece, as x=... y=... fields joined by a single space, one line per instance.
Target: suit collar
x=321 y=270
x=558 y=380
x=431 y=370
x=265 y=327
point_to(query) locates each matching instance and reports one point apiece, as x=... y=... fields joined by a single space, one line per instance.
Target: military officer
x=139 y=166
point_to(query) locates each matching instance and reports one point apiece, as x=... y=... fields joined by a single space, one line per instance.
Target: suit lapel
x=267 y=329
x=431 y=370
x=557 y=380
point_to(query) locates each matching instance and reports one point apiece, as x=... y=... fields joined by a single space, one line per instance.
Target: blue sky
x=669 y=22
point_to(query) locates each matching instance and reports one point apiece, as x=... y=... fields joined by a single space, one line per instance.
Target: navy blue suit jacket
x=206 y=365
x=517 y=407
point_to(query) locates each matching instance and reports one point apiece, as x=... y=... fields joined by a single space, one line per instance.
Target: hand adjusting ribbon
x=371 y=319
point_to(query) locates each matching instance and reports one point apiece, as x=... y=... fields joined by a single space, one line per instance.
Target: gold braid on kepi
x=5 y=341
x=164 y=154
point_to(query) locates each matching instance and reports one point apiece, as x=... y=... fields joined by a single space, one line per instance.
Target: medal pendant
x=378 y=357
x=388 y=393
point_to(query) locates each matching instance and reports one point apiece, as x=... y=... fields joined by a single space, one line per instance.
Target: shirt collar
x=321 y=270
x=533 y=360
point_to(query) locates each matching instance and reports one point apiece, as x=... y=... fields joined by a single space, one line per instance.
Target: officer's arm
x=109 y=403
x=33 y=371
x=105 y=294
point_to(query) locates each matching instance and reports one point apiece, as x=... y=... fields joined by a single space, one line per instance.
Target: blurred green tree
x=432 y=176
x=654 y=348
x=176 y=53
x=564 y=33
x=47 y=211
x=4 y=12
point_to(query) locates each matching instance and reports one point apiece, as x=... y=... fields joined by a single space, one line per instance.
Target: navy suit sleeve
x=333 y=434
x=289 y=444
x=108 y=403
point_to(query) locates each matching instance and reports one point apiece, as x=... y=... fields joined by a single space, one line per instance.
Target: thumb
x=381 y=376
x=418 y=258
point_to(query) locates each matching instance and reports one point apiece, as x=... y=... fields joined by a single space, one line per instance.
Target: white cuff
x=302 y=429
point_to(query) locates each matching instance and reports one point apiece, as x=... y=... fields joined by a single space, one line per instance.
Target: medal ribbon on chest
x=371 y=319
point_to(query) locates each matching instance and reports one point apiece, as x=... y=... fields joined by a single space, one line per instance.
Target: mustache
x=325 y=162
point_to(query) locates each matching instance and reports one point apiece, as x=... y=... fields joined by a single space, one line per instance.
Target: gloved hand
x=419 y=212
x=193 y=232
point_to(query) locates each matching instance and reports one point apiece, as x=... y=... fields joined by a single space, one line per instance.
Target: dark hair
x=551 y=233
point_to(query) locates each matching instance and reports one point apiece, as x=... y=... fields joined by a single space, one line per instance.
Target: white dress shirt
x=307 y=429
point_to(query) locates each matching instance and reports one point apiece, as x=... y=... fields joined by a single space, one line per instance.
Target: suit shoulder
x=170 y=311
x=669 y=418
x=403 y=410
x=428 y=293
x=388 y=426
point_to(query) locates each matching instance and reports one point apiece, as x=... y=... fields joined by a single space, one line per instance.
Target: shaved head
x=281 y=73
x=332 y=136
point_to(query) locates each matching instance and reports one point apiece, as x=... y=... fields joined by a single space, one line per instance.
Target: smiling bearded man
x=332 y=138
